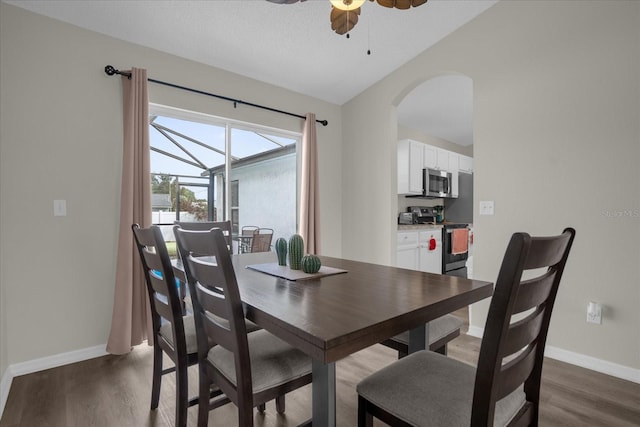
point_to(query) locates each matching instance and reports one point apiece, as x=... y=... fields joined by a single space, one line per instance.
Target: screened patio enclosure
x=193 y=154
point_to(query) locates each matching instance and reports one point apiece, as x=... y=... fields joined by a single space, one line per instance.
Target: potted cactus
x=311 y=264
x=296 y=247
x=281 y=251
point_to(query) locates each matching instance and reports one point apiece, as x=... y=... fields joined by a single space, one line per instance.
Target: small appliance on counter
x=405 y=218
x=423 y=214
x=439 y=210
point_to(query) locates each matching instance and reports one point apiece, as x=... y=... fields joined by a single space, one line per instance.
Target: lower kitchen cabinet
x=407 y=258
x=420 y=250
x=430 y=251
x=407 y=250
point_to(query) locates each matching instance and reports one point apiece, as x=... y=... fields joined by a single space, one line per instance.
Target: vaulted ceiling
x=287 y=45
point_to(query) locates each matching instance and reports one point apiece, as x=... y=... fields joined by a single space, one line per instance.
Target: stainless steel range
x=455 y=249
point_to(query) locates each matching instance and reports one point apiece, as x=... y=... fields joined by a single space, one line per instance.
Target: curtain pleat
x=131 y=318
x=309 y=191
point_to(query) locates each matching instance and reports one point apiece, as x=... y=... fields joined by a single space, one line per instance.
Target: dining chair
x=261 y=241
x=246 y=232
x=173 y=332
x=441 y=331
x=225 y=226
x=250 y=368
x=426 y=388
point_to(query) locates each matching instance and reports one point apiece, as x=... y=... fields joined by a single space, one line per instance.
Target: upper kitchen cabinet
x=414 y=156
x=410 y=165
x=435 y=158
x=465 y=164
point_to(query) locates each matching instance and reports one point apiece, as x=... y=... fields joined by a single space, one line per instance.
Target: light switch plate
x=486 y=207
x=59 y=208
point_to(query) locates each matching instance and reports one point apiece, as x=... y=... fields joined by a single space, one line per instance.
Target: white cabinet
x=407 y=258
x=410 y=165
x=465 y=164
x=430 y=251
x=442 y=159
x=420 y=250
x=414 y=156
x=430 y=157
x=436 y=158
x=453 y=168
x=407 y=250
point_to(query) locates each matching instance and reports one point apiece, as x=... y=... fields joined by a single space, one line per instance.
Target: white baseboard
x=43 y=363
x=474 y=331
x=577 y=359
x=56 y=360
x=5 y=385
x=598 y=365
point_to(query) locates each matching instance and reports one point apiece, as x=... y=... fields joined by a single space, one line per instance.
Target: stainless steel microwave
x=436 y=183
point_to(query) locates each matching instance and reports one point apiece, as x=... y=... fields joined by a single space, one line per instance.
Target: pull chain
x=368 y=38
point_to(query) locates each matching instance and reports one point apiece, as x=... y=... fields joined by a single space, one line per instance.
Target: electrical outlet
x=594 y=313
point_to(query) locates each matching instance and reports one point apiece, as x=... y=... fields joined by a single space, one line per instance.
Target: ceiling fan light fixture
x=347 y=4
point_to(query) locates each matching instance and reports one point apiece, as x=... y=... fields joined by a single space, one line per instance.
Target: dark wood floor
x=115 y=391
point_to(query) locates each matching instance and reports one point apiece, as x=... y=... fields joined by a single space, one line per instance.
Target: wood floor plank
x=116 y=390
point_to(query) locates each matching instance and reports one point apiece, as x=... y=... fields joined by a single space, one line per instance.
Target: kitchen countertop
x=419 y=227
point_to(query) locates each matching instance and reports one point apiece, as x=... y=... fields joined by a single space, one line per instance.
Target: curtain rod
x=110 y=70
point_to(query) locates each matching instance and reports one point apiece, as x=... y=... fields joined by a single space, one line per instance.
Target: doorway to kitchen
x=438 y=115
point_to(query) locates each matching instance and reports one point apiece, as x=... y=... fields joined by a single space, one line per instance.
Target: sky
x=243 y=143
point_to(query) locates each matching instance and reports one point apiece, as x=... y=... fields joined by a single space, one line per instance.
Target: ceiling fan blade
x=343 y=21
x=285 y=1
x=401 y=4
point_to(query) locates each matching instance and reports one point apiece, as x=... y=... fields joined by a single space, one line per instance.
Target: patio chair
x=261 y=241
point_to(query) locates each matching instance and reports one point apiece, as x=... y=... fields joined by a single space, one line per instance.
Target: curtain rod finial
x=110 y=70
x=324 y=122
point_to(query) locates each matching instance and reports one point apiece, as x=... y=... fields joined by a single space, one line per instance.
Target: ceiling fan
x=344 y=13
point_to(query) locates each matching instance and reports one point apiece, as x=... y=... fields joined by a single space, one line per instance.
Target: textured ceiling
x=287 y=45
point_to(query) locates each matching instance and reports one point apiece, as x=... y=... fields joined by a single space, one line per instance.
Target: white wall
x=556 y=143
x=61 y=133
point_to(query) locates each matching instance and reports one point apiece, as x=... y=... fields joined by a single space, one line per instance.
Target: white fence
x=169 y=218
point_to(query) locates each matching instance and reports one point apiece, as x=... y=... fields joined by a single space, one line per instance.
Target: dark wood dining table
x=333 y=316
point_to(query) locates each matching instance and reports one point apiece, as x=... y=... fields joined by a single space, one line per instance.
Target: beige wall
x=61 y=139
x=556 y=143
x=555 y=106
x=417 y=135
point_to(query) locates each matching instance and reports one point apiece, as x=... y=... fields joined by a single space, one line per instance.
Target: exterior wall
x=267 y=195
x=267 y=198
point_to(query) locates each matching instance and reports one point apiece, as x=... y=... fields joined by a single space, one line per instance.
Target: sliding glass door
x=207 y=168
